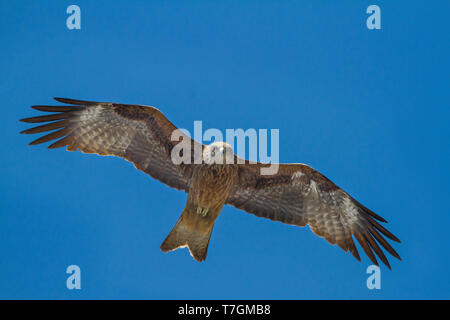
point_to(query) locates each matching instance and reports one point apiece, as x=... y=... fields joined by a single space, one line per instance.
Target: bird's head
x=218 y=153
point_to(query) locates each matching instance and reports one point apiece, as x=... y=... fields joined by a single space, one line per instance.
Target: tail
x=181 y=236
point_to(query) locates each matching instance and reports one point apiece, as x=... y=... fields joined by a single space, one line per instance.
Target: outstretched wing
x=140 y=134
x=300 y=195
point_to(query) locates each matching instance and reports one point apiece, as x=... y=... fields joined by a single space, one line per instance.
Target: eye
x=213 y=152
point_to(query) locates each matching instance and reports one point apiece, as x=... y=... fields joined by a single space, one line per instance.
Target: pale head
x=218 y=153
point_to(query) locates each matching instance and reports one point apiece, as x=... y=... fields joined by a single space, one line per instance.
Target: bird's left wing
x=140 y=134
x=300 y=195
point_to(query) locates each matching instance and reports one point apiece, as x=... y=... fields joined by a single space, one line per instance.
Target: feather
x=382 y=229
x=76 y=102
x=366 y=247
x=368 y=211
x=353 y=249
x=54 y=108
x=61 y=143
x=383 y=242
x=376 y=248
x=48 y=118
x=47 y=127
x=51 y=136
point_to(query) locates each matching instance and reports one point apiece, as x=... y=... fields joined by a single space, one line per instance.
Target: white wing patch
x=90 y=113
x=313 y=188
x=350 y=211
x=297 y=175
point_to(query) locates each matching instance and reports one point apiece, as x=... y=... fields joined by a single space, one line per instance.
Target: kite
x=296 y=195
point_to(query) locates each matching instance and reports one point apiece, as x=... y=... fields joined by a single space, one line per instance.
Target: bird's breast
x=211 y=184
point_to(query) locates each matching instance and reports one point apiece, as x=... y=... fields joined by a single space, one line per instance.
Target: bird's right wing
x=140 y=134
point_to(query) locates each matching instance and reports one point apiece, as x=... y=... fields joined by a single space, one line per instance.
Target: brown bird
x=296 y=194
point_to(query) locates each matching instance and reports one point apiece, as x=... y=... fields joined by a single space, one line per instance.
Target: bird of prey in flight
x=297 y=194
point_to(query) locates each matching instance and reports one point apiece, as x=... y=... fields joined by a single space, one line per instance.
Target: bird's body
x=211 y=184
x=296 y=194
x=210 y=187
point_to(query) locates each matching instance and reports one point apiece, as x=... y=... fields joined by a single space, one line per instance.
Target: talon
x=202 y=211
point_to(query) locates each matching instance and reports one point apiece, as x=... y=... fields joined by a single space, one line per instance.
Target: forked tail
x=181 y=236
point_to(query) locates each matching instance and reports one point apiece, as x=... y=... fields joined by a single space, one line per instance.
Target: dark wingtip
x=386 y=263
x=373 y=214
x=68 y=101
x=59 y=99
x=368 y=211
x=54 y=108
x=75 y=101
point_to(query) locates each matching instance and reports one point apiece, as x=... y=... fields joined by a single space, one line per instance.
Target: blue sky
x=368 y=108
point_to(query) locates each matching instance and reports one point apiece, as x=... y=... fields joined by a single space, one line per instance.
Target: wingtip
x=59 y=99
x=75 y=102
x=387 y=264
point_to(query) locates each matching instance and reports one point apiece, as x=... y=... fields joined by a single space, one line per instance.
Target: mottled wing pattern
x=140 y=134
x=299 y=195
